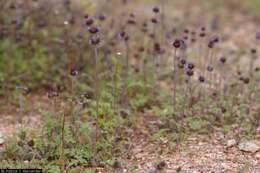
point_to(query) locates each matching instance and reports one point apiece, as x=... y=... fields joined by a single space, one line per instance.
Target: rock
x=249 y=146
x=1 y=139
x=257 y=155
x=231 y=143
x=153 y=170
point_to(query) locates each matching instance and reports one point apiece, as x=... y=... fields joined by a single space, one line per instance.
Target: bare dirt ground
x=197 y=154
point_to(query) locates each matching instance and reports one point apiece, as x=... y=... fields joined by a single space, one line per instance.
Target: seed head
x=203 y=28
x=74 y=72
x=94 y=40
x=157 y=47
x=222 y=60
x=89 y=20
x=123 y=36
x=246 y=80
x=183 y=61
x=186 y=31
x=30 y=143
x=156 y=9
x=102 y=17
x=190 y=72
x=190 y=66
x=202 y=34
x=185 y=37
x=210 y=68
x=93 y=30
x=201 y=79
x=154 y=20
x=177 y=43
x=253 y=51
x=131 y=21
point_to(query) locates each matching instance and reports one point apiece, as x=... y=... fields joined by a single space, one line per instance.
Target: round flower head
x=190 y=66
x=253 y=51
x=178 y=43
x=89 y=20
x=94 y=40
x=202 y=34
x=246 y=80
x=74 y=72
x=183 y=61
x=93 y=30
x=190 y=72
x=201 y=79
x=154 y=20
x=156 y=9
x=102 y=17
x=222 y=60
x=210 y=68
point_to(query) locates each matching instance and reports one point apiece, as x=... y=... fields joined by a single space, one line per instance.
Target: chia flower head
x=213 y=40
x=156 y=9
x=183 y=61
x=89 y=20
x=178 y=43
x=94 y=40
x=154 y=20
x=210 y=68
x=201 y=79
x=157 y=47
x=190 y=66
x=253 y=51
x=186 y=31
x=202 y=34
x=185 y=37
x=102 y=17
x=246 y=80
x=123 y=36
x=93 y=30
x=74 y=72
x=190 y=72
x=131 y=21
x=222 y=60
x=203 y=28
